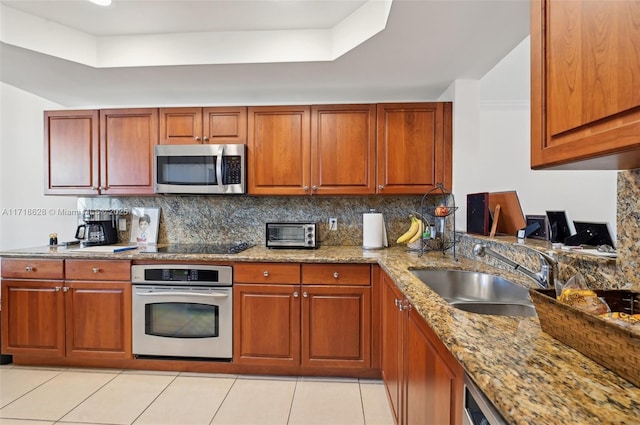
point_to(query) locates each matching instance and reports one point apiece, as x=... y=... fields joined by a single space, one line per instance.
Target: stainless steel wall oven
x=182 y=311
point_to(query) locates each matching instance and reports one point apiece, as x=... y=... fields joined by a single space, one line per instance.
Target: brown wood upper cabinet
x=585 y=90
x=108 y=152
x=317 y=150
x=414 y=143
x=203 y=125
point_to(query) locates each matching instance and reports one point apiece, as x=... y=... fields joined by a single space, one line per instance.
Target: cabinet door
x=585 y=91
x=71 y=149
x=32 y=318
x=224 y=125
x=266 y=324
x=180 y=126
x=414 y=143
x=336 y=326
x=392 y=337
x=127 y=140
x=433 y=380
x=279 y=150
x=343 y=140
x=98 y=320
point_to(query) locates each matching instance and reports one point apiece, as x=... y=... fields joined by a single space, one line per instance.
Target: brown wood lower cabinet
x=424 y=381
x=89 y=319
x=287 y=323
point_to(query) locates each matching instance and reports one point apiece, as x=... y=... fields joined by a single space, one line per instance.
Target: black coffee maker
x=99 y=228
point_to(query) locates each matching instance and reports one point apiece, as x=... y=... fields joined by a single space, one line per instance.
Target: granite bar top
x=529 y=376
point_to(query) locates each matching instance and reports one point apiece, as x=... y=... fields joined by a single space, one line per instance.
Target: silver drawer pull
x=305 y=294
x=65 y=288
x=95 y=269
x=57 y=288
x=28 y=269
x=295 y=294
x=265 y=273
x=335 y=275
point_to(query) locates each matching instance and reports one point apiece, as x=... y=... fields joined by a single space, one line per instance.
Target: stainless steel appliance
x=292 y=235
x=205 y=169
x=182 y=311
x=478 y=410
x=99 y=228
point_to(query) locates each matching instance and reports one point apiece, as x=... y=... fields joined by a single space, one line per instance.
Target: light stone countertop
x=529 y=376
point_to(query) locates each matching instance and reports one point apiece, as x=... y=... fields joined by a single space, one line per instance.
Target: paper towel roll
x=374 y=232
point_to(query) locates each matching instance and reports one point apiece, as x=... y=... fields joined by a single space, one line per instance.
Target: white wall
x=26 y=215
x=491 y=149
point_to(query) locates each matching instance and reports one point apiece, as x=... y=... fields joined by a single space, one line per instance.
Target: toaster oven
x=292 y=235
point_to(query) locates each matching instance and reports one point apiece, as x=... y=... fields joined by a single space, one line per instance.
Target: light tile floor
x=47 y=396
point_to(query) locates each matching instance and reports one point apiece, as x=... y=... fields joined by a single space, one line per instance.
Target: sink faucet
x=544 y=279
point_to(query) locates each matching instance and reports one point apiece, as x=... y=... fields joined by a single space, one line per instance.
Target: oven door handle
x=187 y=294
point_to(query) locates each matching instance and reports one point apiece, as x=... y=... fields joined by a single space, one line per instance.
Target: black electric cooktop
x=204 y=248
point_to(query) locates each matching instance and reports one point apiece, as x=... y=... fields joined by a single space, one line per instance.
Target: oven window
x=182 y=320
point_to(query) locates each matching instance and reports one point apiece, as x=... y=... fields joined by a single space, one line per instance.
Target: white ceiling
x=425 y=45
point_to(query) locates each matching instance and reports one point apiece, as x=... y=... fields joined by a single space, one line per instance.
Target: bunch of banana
x=414 y=233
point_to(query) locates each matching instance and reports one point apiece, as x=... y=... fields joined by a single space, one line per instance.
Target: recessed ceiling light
x=101 y=2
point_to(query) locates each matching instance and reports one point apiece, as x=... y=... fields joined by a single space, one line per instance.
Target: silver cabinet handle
x=95 y=269
x=305 y=294
x=314 y=188
x=265 y=273
x=197 y=138
x=380 y=187
x=306 y=188
x=205 y=138
x=295 y=294
x=336 y=275
x=28 y=269
x=57 y=288
x=396 y=301
x=65 y=288
x=95 y=188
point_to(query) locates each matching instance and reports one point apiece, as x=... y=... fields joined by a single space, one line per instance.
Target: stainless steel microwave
x=204 y=169
x=292 y=235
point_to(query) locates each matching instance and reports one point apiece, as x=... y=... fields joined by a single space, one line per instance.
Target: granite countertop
x=529 y=376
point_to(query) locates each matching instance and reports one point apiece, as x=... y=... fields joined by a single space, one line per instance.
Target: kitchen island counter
x=529 y=376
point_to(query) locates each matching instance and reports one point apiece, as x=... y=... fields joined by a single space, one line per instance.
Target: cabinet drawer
x=98 y=270
x=266 y=272
x=345 y=274
x=33 y=268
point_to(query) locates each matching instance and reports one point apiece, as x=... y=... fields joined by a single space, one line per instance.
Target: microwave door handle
x=187 y=294
x=219 y=168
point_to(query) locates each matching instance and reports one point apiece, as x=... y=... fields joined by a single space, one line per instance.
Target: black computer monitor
x=601 y=230
x=560 y=226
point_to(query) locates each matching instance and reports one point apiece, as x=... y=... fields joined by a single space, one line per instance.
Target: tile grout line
x=37 y=386
x=293 y=397
x=364 y=415
x=223 y=400
x=154 y=399
x=87 y=397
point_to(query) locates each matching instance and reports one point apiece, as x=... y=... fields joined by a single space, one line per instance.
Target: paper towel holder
x=374 y=232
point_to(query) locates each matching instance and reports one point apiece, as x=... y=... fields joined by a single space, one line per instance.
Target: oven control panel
x=182 y=273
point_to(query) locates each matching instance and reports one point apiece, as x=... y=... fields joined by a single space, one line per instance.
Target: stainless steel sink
x=478 y=292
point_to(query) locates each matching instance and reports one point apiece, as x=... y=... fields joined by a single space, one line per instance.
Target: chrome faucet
x=545 y=278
